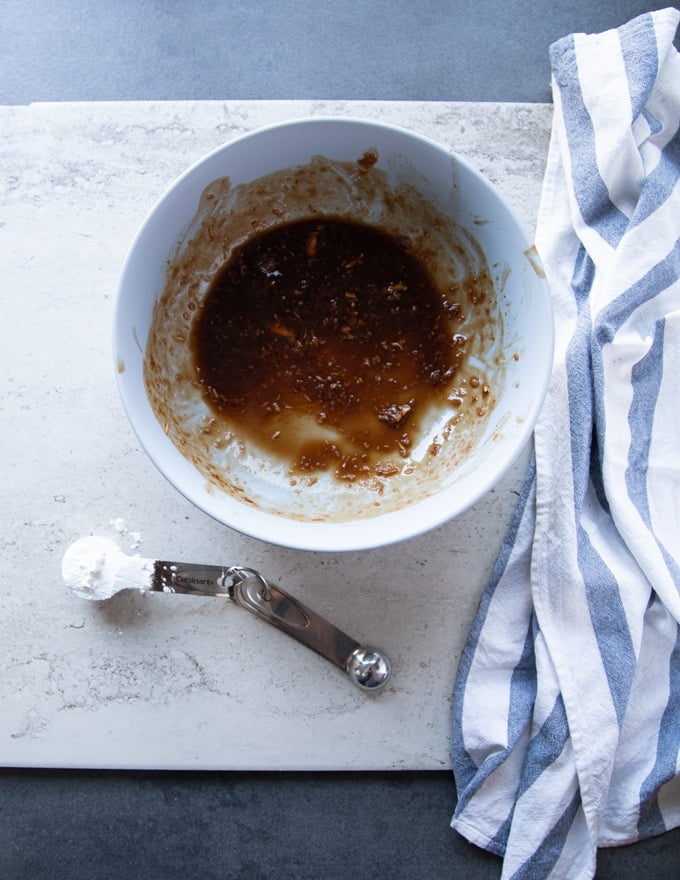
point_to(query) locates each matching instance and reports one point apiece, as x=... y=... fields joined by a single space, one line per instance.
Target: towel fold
x=567 y=701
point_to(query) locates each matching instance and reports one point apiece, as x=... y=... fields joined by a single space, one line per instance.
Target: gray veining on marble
x=170 y=681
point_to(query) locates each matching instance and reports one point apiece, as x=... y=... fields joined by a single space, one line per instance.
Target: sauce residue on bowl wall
x=325 y=327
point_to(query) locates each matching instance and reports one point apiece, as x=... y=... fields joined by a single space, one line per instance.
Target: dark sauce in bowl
x=324 y=341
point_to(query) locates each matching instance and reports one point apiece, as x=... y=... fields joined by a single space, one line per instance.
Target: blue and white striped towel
x=567 y=703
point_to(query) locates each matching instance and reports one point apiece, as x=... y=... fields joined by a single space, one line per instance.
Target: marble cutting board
x=180 y=682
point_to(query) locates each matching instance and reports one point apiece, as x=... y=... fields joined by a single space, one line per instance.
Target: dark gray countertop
x=63 y=824
x=438 y=50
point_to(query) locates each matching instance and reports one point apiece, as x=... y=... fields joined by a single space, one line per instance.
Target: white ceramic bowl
x=323 y=517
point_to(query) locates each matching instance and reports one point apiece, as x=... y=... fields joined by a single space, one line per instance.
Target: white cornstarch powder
x=96 y=568
x=119 y=525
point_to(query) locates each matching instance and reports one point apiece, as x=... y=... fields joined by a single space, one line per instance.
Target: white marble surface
x=180 y=682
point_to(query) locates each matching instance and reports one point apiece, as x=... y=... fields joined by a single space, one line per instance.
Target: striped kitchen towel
x=567 y=702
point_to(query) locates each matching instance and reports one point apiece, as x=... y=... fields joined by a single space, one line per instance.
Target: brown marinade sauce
x=325 y=341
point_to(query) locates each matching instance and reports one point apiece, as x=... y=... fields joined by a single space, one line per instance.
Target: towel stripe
x=541 y=863
x=646 y=381
x=651 y=819
x=660 y=183
x=660 y=277
x=609 y=621
x=589 y=189
x=641 y=65
x=546 y=746
x=607 y=613
x=465 y=766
